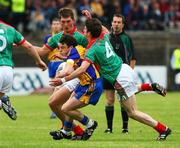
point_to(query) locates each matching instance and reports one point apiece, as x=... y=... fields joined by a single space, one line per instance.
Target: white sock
x=0 y=104
x=66 y=132
x=90 y=123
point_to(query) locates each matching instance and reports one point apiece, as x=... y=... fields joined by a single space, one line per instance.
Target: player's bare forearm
x=75 y=74
x=78 y=71
x=42 y=51
x=32 y=51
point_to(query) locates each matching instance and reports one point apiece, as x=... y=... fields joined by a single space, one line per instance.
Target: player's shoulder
x=48 y=35
x=79 y=33
x=6 y=26
x=74 y=54
x=80 y=48
x=58 y=35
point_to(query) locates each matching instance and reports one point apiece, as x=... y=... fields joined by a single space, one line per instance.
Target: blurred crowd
x=36 y=15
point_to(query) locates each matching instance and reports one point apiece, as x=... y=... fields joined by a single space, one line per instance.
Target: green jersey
x=100 y=52
x=80 y=38
x=8 y=36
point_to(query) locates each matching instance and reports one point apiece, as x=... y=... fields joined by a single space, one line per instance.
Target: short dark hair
x=94 y=26
x=68 y=40
x=55 y=19
x=66 y=12
x=121 y=16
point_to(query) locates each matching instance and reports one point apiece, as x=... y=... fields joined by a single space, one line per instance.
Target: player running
x=8 y=37
x=122 y=76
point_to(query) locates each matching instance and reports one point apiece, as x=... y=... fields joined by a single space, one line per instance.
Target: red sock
x=78 y=130
x=146 y=87
x=160 y=127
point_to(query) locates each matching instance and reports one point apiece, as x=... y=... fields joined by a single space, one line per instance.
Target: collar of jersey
x=93 y=40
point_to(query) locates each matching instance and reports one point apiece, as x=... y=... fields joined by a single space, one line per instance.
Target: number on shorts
x=109 y=51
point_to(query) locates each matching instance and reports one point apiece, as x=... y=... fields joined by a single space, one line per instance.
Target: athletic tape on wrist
x=63 y=80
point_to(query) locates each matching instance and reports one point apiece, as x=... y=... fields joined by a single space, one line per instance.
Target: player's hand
x=55 y=82
x=87 y=14
x=41 y=65
x=59 y=56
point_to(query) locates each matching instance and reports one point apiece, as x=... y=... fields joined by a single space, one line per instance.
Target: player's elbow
x=82 y=70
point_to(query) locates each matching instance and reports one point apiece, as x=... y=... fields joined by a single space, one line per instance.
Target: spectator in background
x=157 y=20
x=175 y=64
x=157 y=12
x=18 y=15
x=172 y=17
x=97 y=9
x=60 y=4
x=112 y=7
x=5 y=10
x=83 y=5
x=50 y=10
x=135 y=16
x=38 y=20
x=8 y=37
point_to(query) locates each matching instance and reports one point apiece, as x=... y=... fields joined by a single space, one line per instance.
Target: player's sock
x=160 y=128
x=146 y=87
x=125 y=118
x=85 y=120
x=78 y=130
x=68 y=125
x=109 y=110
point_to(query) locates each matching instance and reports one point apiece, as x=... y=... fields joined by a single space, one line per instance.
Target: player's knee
x=51 y=101
x=110 y=101
x=64 y=109
x=131 y=114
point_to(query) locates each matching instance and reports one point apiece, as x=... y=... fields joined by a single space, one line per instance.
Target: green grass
x=31 y=129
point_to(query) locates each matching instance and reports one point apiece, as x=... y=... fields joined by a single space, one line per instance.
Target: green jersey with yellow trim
x=8 y=37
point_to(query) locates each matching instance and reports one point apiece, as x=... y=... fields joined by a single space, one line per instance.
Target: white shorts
x=128 y=80
x=6 y=79
x=70 y=85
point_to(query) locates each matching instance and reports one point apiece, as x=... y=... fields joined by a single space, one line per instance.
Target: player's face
x=56 y=26
x=117 y=24
x=64 y=49
x=67 y=24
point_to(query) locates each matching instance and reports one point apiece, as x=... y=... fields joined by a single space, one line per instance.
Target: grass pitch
x=31 y=129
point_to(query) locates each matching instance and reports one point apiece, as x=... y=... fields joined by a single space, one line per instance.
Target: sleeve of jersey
x=18 y=38
x=90 y=56
x=84 y=42
x=51 y=44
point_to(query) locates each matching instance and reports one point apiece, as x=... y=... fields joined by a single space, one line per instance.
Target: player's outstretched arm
x=32 y=51
x=42 y=51
x=74 y=74
x=88 y=15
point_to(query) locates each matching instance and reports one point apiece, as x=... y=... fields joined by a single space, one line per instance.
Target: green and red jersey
x=100 y=52
x=80 y=38
x=8 y=37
